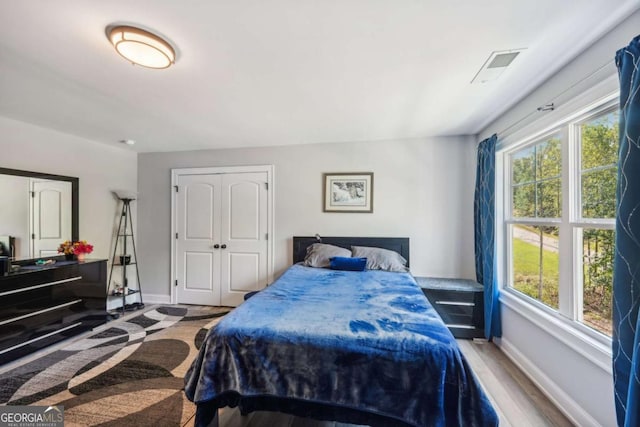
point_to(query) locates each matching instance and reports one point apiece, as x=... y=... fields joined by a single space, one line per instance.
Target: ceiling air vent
x=495 y=65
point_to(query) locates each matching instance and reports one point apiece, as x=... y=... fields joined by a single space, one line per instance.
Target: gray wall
x=100 y=168
x=569 y=369
x=423 y=189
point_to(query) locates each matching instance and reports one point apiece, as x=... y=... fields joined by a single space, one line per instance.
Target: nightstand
x=460 y=303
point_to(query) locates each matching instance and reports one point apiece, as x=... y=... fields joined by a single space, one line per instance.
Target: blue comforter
x=368 y=341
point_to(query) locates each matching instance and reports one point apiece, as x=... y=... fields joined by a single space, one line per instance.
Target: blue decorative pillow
x=347 y=264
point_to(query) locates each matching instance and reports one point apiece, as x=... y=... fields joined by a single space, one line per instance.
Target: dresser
x=40 y=305
x=460 y=303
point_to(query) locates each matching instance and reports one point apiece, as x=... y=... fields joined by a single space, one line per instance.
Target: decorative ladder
x=123 y=261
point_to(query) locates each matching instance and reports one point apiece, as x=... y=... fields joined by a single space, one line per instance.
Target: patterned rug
x=130 y=374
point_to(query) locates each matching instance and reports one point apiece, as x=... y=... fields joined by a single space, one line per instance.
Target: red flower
x=82 y=247
x=70 y=248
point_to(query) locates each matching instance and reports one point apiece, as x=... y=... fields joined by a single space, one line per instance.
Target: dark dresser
x=459 y=302
x=40 y=305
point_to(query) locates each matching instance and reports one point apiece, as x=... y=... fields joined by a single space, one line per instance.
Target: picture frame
x=348 y=192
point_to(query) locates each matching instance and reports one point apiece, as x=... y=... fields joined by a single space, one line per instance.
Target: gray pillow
x=380 y=259
x=319 y=254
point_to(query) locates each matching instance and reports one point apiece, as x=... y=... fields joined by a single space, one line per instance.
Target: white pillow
x=380 y=259
x=319 y=254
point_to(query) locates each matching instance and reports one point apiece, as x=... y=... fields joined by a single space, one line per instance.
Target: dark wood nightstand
x=460 y=303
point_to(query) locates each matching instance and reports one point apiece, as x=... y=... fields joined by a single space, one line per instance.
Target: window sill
x=596 y=351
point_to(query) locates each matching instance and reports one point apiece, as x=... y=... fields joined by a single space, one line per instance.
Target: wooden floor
x=518 y=402
x=516 y=399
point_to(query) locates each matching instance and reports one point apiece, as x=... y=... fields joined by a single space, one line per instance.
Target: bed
x=362 y=347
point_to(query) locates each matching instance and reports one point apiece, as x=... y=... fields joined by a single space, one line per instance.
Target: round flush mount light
x=127 y=141
x=141 y=47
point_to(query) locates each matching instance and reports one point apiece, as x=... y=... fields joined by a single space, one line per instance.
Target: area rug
x=130 y=374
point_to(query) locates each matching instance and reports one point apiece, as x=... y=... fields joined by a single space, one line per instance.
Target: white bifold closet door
x=221 y=244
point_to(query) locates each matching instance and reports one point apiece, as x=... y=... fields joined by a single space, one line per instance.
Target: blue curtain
x=484 y=207
x=626 y=267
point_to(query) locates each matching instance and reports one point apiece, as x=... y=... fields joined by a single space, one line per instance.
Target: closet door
x=198 y=226
x=244 y=235
x=222 y=243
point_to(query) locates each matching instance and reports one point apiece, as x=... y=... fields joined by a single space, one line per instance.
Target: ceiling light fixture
x=127 y=141
x=141 y=47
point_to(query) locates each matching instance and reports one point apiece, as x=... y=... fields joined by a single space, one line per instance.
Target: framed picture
x=348 y=192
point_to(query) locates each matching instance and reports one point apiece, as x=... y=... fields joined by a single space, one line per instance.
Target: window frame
x=510 y=221
x=577 y=222
x=575 y=145
x=570 y=224
x=531 y=143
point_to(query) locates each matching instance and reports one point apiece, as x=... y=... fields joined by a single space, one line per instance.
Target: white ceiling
x=278 y=72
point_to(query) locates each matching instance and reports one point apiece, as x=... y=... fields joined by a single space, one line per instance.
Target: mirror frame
x=75 y=186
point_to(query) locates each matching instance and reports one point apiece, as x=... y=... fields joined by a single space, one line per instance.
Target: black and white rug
x=129 y=374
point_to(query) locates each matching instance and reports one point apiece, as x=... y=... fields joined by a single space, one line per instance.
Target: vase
x=68 y=257
x=80 y=257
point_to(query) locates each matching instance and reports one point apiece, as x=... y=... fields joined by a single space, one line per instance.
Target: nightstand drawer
x=455 y=314
x=460 y=297
x=459 y=302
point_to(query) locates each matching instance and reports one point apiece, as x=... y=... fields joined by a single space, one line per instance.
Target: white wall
x=14 y=215
x=580 y=384
x=423 y=189
x=99 y=167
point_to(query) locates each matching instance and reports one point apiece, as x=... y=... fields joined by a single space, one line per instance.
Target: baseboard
x=576 y=414
x=157 y=299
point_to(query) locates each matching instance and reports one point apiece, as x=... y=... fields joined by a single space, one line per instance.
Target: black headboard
x=398 y=244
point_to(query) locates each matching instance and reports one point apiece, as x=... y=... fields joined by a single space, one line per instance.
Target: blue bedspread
x=354 y=340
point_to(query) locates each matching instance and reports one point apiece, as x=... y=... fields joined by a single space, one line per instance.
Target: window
x=597 y=143
x=536 y=211
x=560 y=217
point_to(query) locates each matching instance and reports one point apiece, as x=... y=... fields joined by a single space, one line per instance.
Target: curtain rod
x=550 y=106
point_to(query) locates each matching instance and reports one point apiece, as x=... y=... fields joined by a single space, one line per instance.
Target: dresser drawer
x=42 y=305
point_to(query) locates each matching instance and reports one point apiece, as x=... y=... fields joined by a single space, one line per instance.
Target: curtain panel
x=626 y=268
x=484 y=221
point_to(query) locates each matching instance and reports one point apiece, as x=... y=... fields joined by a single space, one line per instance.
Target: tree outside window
x=536 y=217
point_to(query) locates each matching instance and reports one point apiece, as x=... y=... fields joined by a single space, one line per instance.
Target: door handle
x=216 y=246
x=224 y=246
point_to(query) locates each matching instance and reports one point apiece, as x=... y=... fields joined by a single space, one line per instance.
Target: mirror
x=38 y=212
